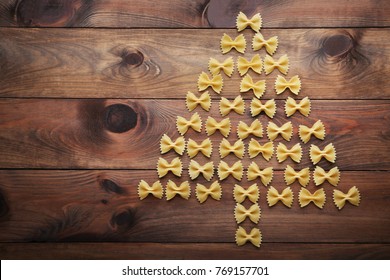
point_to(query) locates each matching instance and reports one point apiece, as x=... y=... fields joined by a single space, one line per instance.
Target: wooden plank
x=198 y=13
x=92 y=206
x=76 y=133
x=198 y=251
x=333 y=64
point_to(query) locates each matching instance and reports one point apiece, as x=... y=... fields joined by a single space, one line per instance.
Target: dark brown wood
x=76 y=133
x=189 y=13
x=103 y=205
x=199 y=251
x=333 y=64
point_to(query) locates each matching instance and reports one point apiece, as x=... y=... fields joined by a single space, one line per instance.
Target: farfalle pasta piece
x=241 y=213
x=286 y=131
x=243 y=65
x=215 y=82
x=214 y=191
x=248 y=84
x=303 y=176
x=255 y=148
x=195 y=169
x=183 y=190
x=294 y=84
x=332 y=176
x=163 y=167
x=167 y=144
x=236 y=170
x=318 y=197
x=255 y=172
x=227 y=66
x=226 y=148
x=144 y=189
x=223 y=126
x=227 y=43
x=242 y=237
x=328 y=153
x=193 y=148
x=240 y=194
x=291 y=106
x=286 y=197
x=243 y=22
x=295 y=153
x=318 y=130
x=255 y=129
x=269 y=107
x=281 y=64
x=270 y=45
x=204 y=101
x=195 y=122
x=237 y=105
x=352 y=196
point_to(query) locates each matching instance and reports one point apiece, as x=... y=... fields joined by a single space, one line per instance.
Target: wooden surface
x=68 y=179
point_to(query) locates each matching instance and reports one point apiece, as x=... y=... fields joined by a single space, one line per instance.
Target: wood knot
x=119 y=118
x=4 y=208
x=123 y=220
x=111 y=187
x=338 y=45
x=132 y=58
x=46 y=12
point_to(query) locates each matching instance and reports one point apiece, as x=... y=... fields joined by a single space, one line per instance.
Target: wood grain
x=73 y=133
x=103 y=205
x=78 y=63
x=198 y=251
x=189 y=13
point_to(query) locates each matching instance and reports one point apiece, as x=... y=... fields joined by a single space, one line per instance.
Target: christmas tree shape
x=261 y=136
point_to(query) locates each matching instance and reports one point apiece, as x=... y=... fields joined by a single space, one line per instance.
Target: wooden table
x=84 y=104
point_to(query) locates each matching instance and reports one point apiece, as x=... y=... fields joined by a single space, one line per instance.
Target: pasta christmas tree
x=260 y=135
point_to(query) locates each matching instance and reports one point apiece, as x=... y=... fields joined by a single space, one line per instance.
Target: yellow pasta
x=318 y=130
x=270 y=45
x=303 y=176
x=255 y=148
x=352 y=196
x=214 y=191
x=226 y=148
x=163 y=167
x=194 y=122
x=242 y=237
x=248 y=84
x=167 y=144
x=182 y=190
x=255 y=172
x=281 y=64
x=328 y=153
x=295 y=153
x=243 y=22
x=269 y=107
x=240 y=194
x=237 y=105
x=195 y=169
x=286 y=197
x=236 y=170
x=215 y=82
x=332 y=176
x=286 y=131
x=144 y=189
x=252 y=213
x=204 y=101
x=243 y=65
x=227 y=43
x=318 y=197
x=227 y=66
x=255 y=129
x=294 y=84
x=291 y=106
x=223 y=126
x=193 y=148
